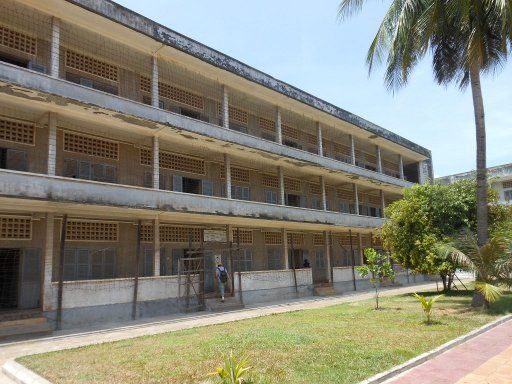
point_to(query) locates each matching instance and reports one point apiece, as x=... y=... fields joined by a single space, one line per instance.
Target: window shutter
x=98 y=172
x=82 y=264
x=84 y=170
x=303 y=201
x=246 y=193
x=97 y=264
x=177 y=183
x=148 y=262
x=69 y=264
x=147 y=181
x=176 y=255
x=109 y=263
x=110 y=174
x=16 y=160
x=70 y=168
x=161 y=182
x=207 y=187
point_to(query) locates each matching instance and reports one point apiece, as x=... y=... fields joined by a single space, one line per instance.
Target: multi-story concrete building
x=500 y=179
x=127 y=148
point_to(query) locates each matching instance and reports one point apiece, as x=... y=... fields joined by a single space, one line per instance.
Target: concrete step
x=324 y=290
x=22 y=327
x=229 y=304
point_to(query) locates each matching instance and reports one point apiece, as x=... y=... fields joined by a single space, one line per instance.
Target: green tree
x=379 y=268
x=464 y=38
x=426 y=215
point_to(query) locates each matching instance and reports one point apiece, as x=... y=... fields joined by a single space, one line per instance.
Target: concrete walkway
x=484 y=359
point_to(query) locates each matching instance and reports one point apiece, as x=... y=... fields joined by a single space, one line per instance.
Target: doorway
x=9 y=277
x=296 y=258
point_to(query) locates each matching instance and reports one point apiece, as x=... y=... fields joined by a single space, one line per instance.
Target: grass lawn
x=339 y=344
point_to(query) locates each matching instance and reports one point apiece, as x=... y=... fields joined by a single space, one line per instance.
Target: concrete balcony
x=64 y=97
x=88 y=194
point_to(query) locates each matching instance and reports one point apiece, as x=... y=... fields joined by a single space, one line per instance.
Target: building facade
x=500 y=179
x=132 y=157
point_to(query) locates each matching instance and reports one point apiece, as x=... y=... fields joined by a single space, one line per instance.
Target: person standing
x=222 y=278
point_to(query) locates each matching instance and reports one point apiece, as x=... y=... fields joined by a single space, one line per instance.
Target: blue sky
x=302 y=43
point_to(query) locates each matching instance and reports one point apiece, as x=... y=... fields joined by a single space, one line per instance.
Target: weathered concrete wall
x=62 y=93
x=58 y=189
x=259 y=280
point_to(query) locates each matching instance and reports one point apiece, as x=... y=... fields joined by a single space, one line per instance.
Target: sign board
x=215 y=236
x=218 y=259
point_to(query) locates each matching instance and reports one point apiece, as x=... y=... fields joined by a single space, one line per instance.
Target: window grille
x=174 y=161
x=15 y=228
x=311 y=139
x=245 y=236
x=318 y=239
x=298 y=239
x=274 y=258
x=290 y=132
x=291 y=184
x=173 y=93
x=81 y=230
x=267 y=125
x=17 y=40
x=173 y=234
x=239 y=175
x=315 y=189
x=91 y=146
x=344 y=239
x=146 y=233
x=345 y=194
x=17 y=131
x=270 y=181
x=273 y=238
x=91 y=65
x=507 y=184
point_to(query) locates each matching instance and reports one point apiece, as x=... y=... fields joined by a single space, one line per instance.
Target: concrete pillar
x=279 y=131
x=55 y=48
x=383 y=201
x=401 y=166
x=356 y=198
x=319 y=136
x=52 y=143
x=156 y=247
x=327 y=237
x=155 y=96
x=225 y=107
x=352 y=150
x=285 y=249
x=227 y=166
x=156 y=162
x=324 y=194
x=361 y=254
x=379 y=160
x=47 y=294
x=280 y=173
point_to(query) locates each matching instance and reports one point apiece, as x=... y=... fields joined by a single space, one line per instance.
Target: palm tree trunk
x=481 y=166
x=481 y=170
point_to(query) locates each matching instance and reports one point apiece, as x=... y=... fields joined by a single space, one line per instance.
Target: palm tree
x=464 y=37
x=492 y=263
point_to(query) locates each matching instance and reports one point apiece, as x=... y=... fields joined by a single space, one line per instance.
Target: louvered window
x=17 y=131
x=86 y=170
x=15 y=228
x=13 y=159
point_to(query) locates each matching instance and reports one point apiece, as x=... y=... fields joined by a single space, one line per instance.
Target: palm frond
x=490 y=292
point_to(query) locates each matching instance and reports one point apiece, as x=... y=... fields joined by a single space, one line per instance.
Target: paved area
x=485 y=359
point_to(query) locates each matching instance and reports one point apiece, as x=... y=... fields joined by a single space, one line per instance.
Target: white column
x=281 y=185
x=401 y=166
x=55 y=48
x=279 y=131
x=379 y=160
x=352 y=150
x=155 y=96
x=225 y=107
x=227 y=166
x=156 y=162
x=47 y=295
x=324 y=194
x=52 y=143
x=319 y=136
x=383 y=201
x=285 y=249
x=361 y=254
x=356 y=196
x=156 y=247
x=327 y=240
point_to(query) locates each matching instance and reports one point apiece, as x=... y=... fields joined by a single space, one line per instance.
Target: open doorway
x=9 y=277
